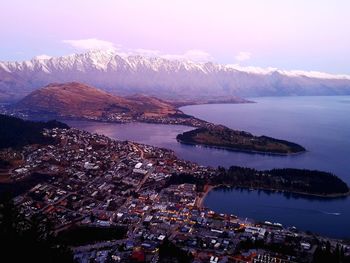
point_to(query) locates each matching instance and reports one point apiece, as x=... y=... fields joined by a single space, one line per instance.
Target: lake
x=328 y=217
x=320 y=124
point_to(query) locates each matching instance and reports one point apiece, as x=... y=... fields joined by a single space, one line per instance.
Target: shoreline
x=328 y=196
x=210 y=187
x=239 y=150
x=179 y=105
x=200 y=200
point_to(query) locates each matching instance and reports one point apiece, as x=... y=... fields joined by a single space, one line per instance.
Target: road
x=139 y=149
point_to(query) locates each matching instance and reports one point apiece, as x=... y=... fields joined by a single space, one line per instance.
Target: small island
x=219 y=136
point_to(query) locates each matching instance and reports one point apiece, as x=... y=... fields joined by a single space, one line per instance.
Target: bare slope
x=79 y=100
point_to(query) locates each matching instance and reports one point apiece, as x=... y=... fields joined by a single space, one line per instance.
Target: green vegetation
x=4 y=164
x=33 y=239
x=290 y=180
x=16 y=133
x=28 y=239
x=223 y=137
x=20 y=187
x=324 y=254
x=187 y=179
x=170 y=253
x=87 y=234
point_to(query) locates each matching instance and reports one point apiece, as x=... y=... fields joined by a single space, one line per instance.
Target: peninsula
x=77 y=101
x=222 y=137
x=297 y=181
x=124 y=197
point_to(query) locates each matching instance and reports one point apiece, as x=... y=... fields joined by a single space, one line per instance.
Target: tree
x=169 y=252
x=28 y=239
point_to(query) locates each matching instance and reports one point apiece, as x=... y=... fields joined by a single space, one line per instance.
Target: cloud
x=90 y=43
x=243 y=56
x=192 y=54
x=146 y=52
x=196 y=55
x=42 y=57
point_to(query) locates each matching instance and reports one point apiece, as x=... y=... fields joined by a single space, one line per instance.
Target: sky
x=288 y=34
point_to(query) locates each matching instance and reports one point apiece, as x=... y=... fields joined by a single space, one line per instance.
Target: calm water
x=325 y=216
x=320 y=124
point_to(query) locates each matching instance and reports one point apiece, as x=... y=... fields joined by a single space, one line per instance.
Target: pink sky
x=289 y=34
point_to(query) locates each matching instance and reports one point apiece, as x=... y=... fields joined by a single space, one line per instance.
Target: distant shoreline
x=187 y=143
x=210 y=102
x=240 y=150
x=209 y=188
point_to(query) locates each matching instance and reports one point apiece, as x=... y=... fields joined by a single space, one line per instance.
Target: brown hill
x=152 y=106
x=79 y=100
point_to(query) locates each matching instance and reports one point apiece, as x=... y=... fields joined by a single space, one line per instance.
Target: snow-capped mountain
x=162 y=77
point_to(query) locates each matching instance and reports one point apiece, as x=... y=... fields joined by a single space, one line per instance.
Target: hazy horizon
x=289 y=35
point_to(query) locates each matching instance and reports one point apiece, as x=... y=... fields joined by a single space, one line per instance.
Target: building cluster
x=175 y=120
x=122 y=117
x=92 y=180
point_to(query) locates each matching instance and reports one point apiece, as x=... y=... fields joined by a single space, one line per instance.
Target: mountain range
x=167 y=79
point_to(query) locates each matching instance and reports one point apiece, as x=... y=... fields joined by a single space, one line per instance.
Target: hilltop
x=77 y=100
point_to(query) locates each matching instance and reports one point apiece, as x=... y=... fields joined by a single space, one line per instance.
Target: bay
x=320 y=124
x=329 y=217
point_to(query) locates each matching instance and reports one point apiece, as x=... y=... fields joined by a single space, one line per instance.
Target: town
x=174 y=119
x=94 y=181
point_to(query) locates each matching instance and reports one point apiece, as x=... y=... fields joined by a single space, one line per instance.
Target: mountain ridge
x=163 y=78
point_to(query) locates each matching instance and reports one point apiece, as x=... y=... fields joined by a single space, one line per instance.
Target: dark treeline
x=28 y=240
x=20 y=187
x=89 y=234
x=15 y=132
x=187 y=179
x=170 y=253
x=238 y=140
x=294 y=146
x=4 y=164
x=325 y=254
x=291 y=180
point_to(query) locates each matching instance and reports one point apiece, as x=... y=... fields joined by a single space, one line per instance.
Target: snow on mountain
x=157 y=76
x=290 y=73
